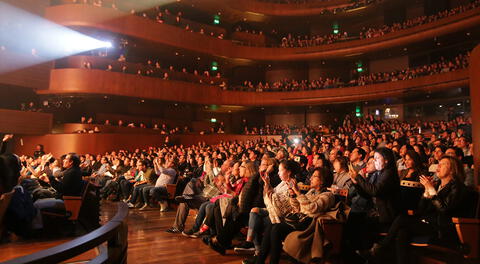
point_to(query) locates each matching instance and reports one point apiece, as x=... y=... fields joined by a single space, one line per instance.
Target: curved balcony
x=84 y=81
x=293 y=9
x=123 y=23
x=101 y=63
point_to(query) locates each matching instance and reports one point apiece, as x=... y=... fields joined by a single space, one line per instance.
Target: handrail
x=114 y=232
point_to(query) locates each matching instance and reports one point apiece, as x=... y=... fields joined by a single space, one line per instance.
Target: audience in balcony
x=152 y=68
x=417 y=21
x=442 y=66
x=164 y=129
x=290 y=41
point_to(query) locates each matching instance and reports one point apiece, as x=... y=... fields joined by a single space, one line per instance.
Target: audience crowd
x=417 y=21
x=291 y=41
x=279 y=189
x=443 y=65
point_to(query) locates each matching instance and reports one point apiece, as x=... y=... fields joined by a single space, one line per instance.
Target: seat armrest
x=460 y=220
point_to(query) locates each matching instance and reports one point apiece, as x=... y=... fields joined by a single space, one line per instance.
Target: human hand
x=353 y=174
x=7 y=137
x=427 y=183
x=265 y=178
x=293 y=185
x=269 y=169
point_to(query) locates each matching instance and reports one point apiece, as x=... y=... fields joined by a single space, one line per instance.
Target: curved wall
x=123 y=23
x=83 y=81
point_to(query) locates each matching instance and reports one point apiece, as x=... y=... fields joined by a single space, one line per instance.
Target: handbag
x=298 y=221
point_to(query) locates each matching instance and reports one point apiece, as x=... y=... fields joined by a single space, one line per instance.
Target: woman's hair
x=456 y=167
x=291 y=166
x=421 y=153
x=417 y=162
x=343 y=162
x=326 y=176
x=271 y=161
x=250 y=169
x=387 y=154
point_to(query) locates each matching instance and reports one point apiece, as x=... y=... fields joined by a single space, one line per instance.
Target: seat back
x=333 y=231
x=412 y=184
x=73 y=204
x=410 y=193
x=4 y=203
x=468 y=229
x=171 y=189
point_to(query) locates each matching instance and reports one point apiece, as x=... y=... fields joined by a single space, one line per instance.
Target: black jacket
x=438 y=210
x=384 y=188
x=71 y=184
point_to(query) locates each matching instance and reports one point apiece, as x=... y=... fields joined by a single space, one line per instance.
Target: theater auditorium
x=240 y=131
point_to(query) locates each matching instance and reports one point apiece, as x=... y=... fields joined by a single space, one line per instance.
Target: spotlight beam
x=37 y=40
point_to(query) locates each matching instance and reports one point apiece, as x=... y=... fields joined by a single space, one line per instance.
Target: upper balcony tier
x=89 y=81
x=123 y=23
x=305 y=8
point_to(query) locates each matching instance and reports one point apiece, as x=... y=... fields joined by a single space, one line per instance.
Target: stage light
x=296 y=140
x=31 y=39
x=107 y=44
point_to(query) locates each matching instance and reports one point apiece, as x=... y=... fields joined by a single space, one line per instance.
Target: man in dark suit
x=71 y=177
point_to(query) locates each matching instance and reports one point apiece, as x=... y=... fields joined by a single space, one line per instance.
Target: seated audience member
x=243 y=204
x=316 y=201
x=38 y=151
x=468 y=173
x=403 y=151
x=414 y=170
x=438 y=152
x=413 y=167
x=145 y=177
x=198 y=190
x=128 y=179
x=302 y=176
x=69 y=181
x=103 y=174
x=357 y=158
x=166 y=175
x=232 y=185
x=383 y=186
x=258 y=216
x=440 y=202
x=341 y=178
x=112 y=186
x=20 y=212
x=360 y=206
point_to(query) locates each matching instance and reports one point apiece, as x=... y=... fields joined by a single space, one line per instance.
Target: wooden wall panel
x=21 y=122
x=84 y=81
x=60 y=144
x=124 y=23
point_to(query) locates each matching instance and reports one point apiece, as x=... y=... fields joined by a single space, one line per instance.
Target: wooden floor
x=147 y=241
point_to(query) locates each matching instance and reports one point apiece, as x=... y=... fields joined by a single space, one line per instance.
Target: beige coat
x=325 y=229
